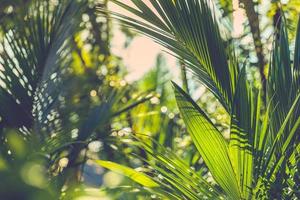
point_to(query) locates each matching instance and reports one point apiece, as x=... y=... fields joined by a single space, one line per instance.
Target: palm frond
x=131 y=173
x=172 y=173
x=296 y=66
x=244 y=125
x=33 y=59
x=210 y=143
x=189 y=29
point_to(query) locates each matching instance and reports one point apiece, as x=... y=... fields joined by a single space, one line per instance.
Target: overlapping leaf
x=210 y=143
x=33 y=57
x=188 y=29
x=131 y=173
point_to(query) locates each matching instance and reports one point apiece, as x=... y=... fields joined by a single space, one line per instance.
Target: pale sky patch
x=140 y=56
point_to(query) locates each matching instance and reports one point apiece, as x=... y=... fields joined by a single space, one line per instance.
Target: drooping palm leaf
x=189 y=29
x=264 y=135
x=175 y=178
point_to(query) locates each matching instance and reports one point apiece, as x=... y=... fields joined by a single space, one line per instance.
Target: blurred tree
x=61 y=85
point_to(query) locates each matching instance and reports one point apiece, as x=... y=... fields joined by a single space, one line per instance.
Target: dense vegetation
x=72 y=127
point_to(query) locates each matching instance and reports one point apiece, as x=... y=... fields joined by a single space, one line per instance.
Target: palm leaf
x=171 y=172
x=280 y=80
x=34 y=59
x=136 y=176
x=244 y=128
x=210 y=143
x=296 y=66
x=188 y=29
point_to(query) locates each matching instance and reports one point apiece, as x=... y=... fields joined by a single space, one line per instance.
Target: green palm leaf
x=244 y=132
x=296 y=66
x=210 y=143
x=138 y=177
x=175 y=178
x=34 y=59
x=189 y=29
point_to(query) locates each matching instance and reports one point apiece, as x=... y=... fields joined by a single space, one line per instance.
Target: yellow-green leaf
x=136 y=176
x=210 y=143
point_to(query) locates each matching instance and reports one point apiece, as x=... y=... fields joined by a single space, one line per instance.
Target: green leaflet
x=209 y=142
x=280 y=143
x=33 y=50
x=136 y=176
x=244 y=124
x=178 y=175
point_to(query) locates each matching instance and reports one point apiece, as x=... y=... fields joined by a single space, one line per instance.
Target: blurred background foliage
x=96 y=108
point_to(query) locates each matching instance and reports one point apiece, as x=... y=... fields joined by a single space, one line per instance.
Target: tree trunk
x=253 y=19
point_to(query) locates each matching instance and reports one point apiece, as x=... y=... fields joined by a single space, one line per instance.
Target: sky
x=140 y=56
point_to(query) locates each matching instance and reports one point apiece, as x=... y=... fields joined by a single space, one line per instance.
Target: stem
x=252 y=16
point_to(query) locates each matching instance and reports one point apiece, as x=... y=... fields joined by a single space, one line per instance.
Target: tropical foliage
x=261 y=158
x=68 y=113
